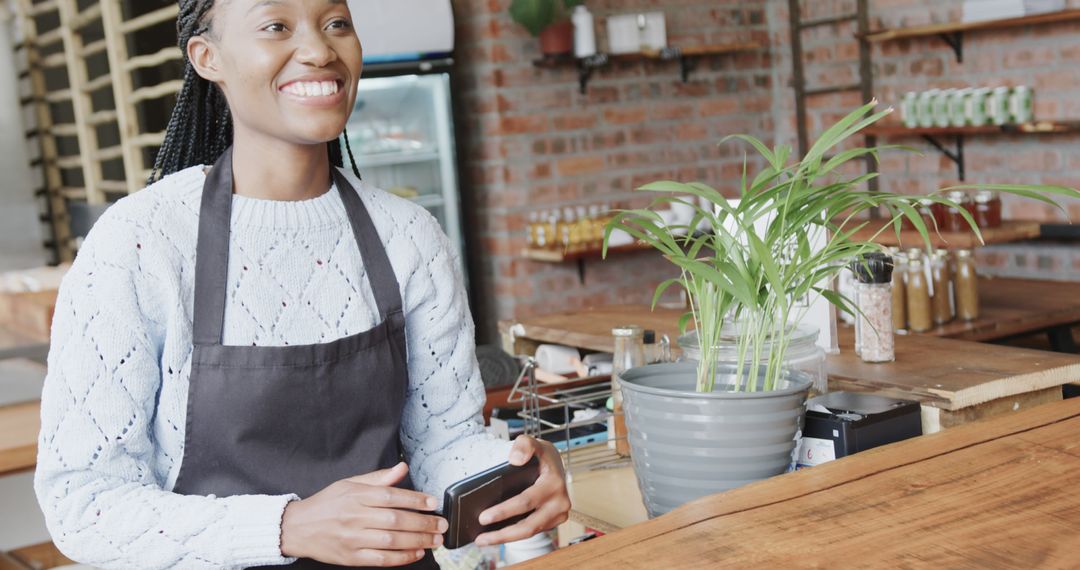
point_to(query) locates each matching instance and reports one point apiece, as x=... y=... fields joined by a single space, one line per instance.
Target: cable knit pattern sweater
x=115 y=397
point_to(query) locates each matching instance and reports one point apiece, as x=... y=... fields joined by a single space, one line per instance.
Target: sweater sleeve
x=95 y=483
x=443 y=428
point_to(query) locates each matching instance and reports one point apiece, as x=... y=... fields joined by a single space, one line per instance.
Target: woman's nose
x=314 y=49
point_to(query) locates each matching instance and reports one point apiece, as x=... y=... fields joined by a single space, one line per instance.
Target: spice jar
x=966 y=285
x=987 y=209
x=941 y=279
x=629 y=353
x=929 y=216
x=873 y=295
x=899 y=290
x=954 y=220
x=920 y=318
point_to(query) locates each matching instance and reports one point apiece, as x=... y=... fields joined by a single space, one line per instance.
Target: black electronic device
x=839 y=424
x=466 y=499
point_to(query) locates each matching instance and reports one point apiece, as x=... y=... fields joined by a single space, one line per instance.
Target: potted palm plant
x=549 y=20
x=698 y=428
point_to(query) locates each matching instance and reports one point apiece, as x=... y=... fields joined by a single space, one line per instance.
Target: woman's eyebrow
x=266 y=3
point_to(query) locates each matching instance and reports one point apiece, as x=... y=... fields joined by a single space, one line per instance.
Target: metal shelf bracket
x=957 y=156
x=955 y=40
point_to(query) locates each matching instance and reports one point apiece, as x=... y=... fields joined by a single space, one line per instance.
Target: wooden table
x=994 y=494
x=19 y=427
x=1015 y=307
x=956 y=381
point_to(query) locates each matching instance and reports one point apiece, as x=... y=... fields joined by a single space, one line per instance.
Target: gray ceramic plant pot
x=686 y=445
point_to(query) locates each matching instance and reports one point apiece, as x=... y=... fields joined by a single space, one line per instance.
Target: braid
x=201 y=128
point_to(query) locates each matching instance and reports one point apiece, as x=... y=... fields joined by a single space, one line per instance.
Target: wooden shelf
x=687 y=58
x=1009 y=231
x=1036 y=128
x=960 y=27
x=559 y=256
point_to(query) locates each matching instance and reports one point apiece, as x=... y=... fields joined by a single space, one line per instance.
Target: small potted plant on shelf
x=550 y=21
x=731 y=417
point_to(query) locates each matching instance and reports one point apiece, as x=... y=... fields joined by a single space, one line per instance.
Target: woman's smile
x=320 y=91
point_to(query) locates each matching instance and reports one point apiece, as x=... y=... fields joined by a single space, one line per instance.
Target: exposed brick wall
x=532 y=142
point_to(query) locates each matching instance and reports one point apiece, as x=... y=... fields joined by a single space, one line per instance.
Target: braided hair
x=201 y=127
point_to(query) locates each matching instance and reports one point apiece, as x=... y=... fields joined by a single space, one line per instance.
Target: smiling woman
x=260 y=360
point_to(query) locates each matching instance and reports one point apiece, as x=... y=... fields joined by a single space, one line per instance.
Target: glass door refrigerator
x=402 y=135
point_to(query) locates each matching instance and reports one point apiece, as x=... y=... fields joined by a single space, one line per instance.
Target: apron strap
x=384 y=284
x=212 y=253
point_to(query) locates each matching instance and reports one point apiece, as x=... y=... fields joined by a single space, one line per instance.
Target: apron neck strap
x=212 y=251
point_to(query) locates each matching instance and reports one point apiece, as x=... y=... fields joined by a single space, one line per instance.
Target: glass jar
x=966 y=285
x=629 y=353
x=929 y=216
x=920 y=317
x=954 y=220
x=899 y=290
x=803 y=355
x=941 y=278
x=874 y=340
x=987 y=209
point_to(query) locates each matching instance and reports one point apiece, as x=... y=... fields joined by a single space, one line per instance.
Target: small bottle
x=899 y=290
x=920 y=318
x=530 y=234
x=941 y=278
x=987 y=209
x=873 y=295
x=954 y=220
x=584 y=32
x=629 y=353
x=967 y=285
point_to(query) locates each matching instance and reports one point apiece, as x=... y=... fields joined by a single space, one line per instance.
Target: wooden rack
x=107 y=134
x=1008 y=231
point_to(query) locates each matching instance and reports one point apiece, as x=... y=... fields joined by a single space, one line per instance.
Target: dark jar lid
x=874 y=267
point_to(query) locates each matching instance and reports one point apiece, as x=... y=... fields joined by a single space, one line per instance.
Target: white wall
x=20 y=231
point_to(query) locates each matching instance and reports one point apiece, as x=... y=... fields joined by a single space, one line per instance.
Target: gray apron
x=292 y=419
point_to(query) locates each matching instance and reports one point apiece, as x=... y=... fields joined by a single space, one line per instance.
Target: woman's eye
x=340 y=24
x=276 y=27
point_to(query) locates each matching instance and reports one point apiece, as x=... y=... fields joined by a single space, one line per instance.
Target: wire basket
x=554 y=411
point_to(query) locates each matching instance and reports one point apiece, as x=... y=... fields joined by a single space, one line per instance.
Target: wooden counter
x=994 y=494
x=956 y=381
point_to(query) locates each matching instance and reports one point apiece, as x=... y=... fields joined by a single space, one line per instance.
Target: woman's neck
x=272 y=169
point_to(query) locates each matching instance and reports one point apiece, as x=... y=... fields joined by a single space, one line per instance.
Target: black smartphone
x=466 y=499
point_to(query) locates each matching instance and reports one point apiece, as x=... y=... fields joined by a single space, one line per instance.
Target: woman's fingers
x=383 y=477
x=541 y=520
x=392 y=497
x=394 y=519
x=526 y=502
x=394 y=540
x=385 y=558
x=522 y=451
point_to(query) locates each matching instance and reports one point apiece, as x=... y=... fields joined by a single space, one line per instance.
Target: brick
x=625 y=116
x=580 y=165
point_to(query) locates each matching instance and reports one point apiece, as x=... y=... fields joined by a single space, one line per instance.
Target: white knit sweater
x=114 y=402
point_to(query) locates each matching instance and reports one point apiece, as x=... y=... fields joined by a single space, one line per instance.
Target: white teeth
x=312 y=88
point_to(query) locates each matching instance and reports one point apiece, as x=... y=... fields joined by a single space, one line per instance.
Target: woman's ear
x=203 y=57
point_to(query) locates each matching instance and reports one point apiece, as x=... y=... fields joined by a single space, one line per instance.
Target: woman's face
x=289 y=68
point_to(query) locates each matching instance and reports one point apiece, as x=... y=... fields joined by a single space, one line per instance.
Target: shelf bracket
x=586 y=66
x=957 y=156
x=955 y=40
x=581 y=270
x=686 y=65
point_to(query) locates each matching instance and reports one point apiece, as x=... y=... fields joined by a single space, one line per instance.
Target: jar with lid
x=966 y=285
x=899 y=289
x=629 y=353
x=954 y=220
x=920 y=318
x=802 y=357
x=987 y=209
x=930 y=217
x=941 y=279
x=873 y=295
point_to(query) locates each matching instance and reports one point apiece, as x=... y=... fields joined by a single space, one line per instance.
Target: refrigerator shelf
x=396 y=158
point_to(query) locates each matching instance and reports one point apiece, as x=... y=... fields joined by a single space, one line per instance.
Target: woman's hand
x=363 y=521
x=547 y=499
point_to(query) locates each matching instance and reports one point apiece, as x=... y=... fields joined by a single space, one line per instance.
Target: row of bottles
x=570 y=229
x=931 y=290
x=984 y=206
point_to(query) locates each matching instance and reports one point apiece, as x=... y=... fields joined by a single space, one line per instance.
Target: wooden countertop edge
x=821 y=478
